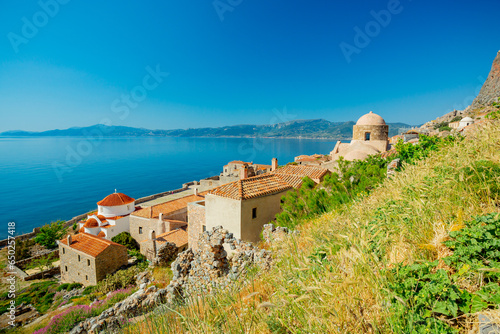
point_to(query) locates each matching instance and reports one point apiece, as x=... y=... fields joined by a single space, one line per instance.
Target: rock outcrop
x=211 y=268
x=491 y=88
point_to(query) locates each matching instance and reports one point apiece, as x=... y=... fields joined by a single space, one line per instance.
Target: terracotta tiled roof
x=252 y=187
x=101 y=234
x=81 y=230
x=115 y=200
x=179 y=237
x=168 y=207
x=240 y=162
x=101 y=217
x=306 y=159
x=389 y=153
x=90 y=223
x=293 y=180
x=89 y=244
x=313 y=172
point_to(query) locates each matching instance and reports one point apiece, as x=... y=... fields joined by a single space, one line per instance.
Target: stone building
x=234 y=169
x=174 y=242
x=370 y=136
x=161 y=218
x=87 y=259
x=244 y=206
x=111 y=217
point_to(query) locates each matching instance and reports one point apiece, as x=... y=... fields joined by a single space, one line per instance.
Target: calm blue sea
x=43 y=179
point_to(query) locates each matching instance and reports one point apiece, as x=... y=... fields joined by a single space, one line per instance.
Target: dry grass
x=404 y=220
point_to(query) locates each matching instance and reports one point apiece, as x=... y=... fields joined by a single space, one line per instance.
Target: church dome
x=91 y=223
x=467 y=119
x=370 y=119
x=116 y=199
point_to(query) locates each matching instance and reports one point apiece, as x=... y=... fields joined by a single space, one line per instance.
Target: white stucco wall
x=223 y=211
x=119 y=210
x=267 y=208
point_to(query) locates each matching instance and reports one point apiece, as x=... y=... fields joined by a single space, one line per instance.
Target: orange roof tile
x=101 y=217
x=101 y=234
x=116 y=199
x=313 y=172
x=168 y=207
x=81 y=230
x=89 y=244
x=240 y=162
x=91 y=223
x=252 y=187
x=179 y=237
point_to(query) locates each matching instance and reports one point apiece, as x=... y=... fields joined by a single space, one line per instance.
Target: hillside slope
x=342 y=273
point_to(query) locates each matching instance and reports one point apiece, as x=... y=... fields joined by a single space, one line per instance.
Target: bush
x=119 y=280
x=73 y=286
x=88 y=290
x=50 y=233
x=23 y=249
x=126 y=240
x=63 y=286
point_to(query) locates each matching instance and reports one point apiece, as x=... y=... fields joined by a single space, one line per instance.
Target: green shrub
x=88 y=290
x=23 y=249
x=126 y=240
x=73 y=286
x=63 y=286
x=119 y=280
x=50 y=233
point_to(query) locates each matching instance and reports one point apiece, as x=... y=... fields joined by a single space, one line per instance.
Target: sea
x=45 y=179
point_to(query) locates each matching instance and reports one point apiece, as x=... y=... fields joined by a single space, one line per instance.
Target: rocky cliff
x=491 y=88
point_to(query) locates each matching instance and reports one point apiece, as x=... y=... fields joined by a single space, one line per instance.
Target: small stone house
x=243 y=207
x=177 y=240
x=161 y=218
x=87 y=259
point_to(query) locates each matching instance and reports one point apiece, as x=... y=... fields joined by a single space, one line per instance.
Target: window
x=64 y=250
x=65 y=268
x=140 y=230
x=88 y=262
x=78 y=258
x=204 y=228
x=128 y=207
x=87 y=277
x=367 y=135
x=254 y=213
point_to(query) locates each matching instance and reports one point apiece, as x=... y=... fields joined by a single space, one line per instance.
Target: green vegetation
x=50 y=233
x=23 y=249
x=427 y=297
x=126 y=240
x=495 y=114
x=354 y=179
x=40 y=295
x=119 y=280
x=419 y=254
x=69 y=286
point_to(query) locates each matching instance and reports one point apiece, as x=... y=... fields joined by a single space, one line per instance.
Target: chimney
x=195 y=191
x=152 y=237
x=161 y=225
x=243 y=173
x=68 y=238
x=274 y=164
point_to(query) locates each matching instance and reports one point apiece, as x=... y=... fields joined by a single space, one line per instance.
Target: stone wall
x=210 y=267
x=110 y=260
x=377 y=132
x=147 y=225
x=75 y=266
x=196 y=218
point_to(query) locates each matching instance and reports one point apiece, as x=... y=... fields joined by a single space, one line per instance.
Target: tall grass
x=332 y=277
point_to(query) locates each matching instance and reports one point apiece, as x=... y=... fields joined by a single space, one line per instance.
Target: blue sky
x=240 y=62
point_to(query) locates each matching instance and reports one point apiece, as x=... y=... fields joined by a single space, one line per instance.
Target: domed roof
x=116 y=199
x=356 y=155
x=466 y=119
x=370 y=119
x=91 y=223
x=101 y=234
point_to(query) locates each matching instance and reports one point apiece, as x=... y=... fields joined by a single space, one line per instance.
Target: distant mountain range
x=314 y=128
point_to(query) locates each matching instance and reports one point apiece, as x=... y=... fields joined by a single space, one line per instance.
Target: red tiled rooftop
x=90 y=223
x=312 y=172
x=168 y=207
x=252 y=187
x=240 y=162
x=89 y=244
x=101 y=234
x=179 y=237
x=116 y=199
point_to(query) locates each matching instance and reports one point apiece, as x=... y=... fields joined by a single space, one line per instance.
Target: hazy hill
x=315 y=128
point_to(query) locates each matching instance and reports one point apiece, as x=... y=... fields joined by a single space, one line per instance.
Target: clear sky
x=77 y=63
